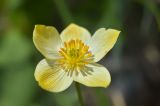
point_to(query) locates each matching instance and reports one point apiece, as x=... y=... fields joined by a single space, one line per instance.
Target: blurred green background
x=134 y=63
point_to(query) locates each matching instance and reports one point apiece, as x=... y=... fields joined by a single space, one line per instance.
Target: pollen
x=74 y=56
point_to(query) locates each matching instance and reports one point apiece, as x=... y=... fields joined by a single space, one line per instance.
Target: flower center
x=74 y=55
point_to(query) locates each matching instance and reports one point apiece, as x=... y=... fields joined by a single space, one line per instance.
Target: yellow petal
x=73 y=32
x=102 y=41
x=46 y=40
x=52 y=79
x=93 y=76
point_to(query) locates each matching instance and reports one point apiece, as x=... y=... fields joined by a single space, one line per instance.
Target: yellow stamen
x=74 y=55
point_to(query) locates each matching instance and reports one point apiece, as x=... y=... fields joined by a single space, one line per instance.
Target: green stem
x=79 y=93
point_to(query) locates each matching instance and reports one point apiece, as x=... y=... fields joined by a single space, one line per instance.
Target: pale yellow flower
x=72 y=56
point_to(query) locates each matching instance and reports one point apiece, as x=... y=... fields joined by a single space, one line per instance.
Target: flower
x=72 y=56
